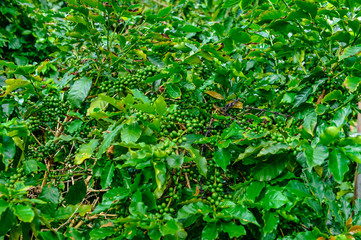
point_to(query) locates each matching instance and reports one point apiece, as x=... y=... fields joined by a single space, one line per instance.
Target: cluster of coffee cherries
x=33 y=124
x=18 y=177
x=181 y=121
x=42 y=151
x=51 y=110
x=133 y=80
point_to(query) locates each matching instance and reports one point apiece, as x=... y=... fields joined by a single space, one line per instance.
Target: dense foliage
x=186 y=120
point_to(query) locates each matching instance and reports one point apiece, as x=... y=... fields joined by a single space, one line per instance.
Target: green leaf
x=107 y=176
x=3 y=206
x=101 y=233
x=338 y=164
x=192 y=209
x=173 y=228
x=160 y=106
x=241 y=213
x=222 y=157
x=112 y=196
x=108 y=136
x=210 y=231
x=198 y=159
x=351 y=83
x=271 y=170
x=157 y=61
x=334 y=95
x=308 y=7
x=76 y=192
x=273 y=149
x=12 y=84
x=173 y=90
x=175 y=161
x=85 y=151
x=79 y=91
x=7 y=220
x=131 y=133
x=233 y=230
x=230 y=3
x=253 y=190
x=190 y=28
x=140 y=95
x=299 y=189
x=245 y=3
x=350 y=51
x=310 y=122
x=339 y=118
x=274 y=198
x=164 y=11
x=271 y=220
x=24 y=212
x=239 y=36
x=160 y=172
x=137 y=206
x=315 y=156
x=271 y=15
x=50 y=194
x=7 y=149
x=302 y=96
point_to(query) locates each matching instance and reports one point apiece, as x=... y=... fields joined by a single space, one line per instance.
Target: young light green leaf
x=131 y=133
x=222 y=157
x=86 y=150
x=351 y=83
x=160 y=106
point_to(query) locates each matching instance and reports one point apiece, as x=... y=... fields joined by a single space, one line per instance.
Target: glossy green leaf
x=271 y=220
x=175 y=161
x=269 y=171
x=107 y=176
x=101 y=233
x=3 y=206
x=210 y=231
x=24 y=212
x=239 y=36
x=50 y=194
x=108 y=136
x=192 y=209
x=310 y=122
x=130 y=133
x=308 y=6
x=274 y=199
x=222 y=157
x=338 y=165
x=79 y=91
x=241 y=213
x=7 y=220
x=233 y=230
x=160 y=106
x=173 y=91
x=315 y=156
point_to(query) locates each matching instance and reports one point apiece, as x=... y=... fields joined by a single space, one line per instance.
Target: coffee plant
x=180 y=119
